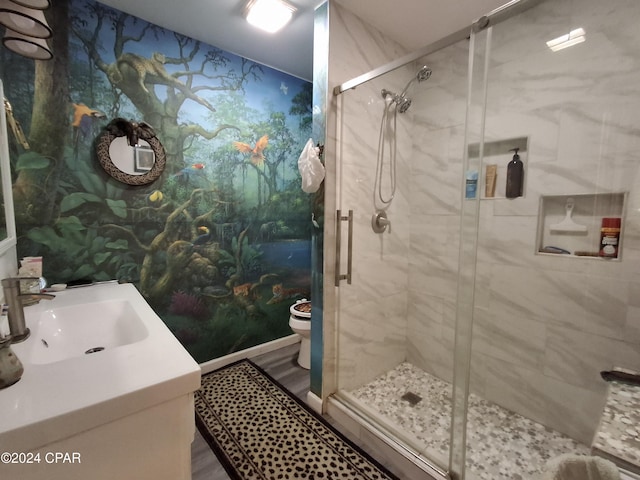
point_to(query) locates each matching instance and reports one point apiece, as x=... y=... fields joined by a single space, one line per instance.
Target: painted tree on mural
x=135 y=76
x=33 y=186
x=301 y=106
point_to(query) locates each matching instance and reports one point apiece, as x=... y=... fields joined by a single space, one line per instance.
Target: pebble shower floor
x=501 y=445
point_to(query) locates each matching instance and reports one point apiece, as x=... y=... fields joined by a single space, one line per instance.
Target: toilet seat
x=296 y=309
x=300 y=315
x=300 y=323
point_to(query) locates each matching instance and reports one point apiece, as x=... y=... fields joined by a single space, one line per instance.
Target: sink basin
x=84 y=329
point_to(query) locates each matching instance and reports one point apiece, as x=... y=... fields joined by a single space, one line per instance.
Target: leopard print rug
x=258 y=430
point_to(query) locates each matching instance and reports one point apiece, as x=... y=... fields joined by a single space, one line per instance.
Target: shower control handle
x=380 y=222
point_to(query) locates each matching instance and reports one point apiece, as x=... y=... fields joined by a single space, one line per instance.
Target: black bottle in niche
x=515 y=176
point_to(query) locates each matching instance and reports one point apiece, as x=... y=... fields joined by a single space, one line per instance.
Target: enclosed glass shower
x=474 y=327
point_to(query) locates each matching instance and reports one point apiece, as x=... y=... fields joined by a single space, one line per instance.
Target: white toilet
x=300 y=323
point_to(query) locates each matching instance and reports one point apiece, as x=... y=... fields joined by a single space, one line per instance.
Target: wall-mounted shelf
x=572 y=223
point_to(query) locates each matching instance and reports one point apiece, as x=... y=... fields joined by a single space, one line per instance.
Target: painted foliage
x=220 y=244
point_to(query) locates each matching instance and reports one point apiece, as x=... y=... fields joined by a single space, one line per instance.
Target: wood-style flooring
x=282 y=366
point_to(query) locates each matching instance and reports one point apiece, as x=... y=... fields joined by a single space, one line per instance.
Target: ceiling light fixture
x=26 y=46
x=26 y=28
x=37 y=4
x=572 y=38
x=269 y=15
x=26 y=21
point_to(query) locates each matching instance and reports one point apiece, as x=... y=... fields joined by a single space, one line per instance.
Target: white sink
x=64 y=390
x=83 y=329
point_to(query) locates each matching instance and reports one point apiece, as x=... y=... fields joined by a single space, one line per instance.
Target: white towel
x=580 y=467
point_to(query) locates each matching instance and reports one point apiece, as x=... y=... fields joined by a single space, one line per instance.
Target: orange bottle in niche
x=610 y=237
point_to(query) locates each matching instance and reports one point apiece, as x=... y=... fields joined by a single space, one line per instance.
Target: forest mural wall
x=220 y=244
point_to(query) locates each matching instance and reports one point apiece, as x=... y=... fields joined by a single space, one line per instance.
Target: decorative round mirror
x=130 y=152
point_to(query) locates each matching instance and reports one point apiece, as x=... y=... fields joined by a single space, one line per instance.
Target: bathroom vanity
x=107 y=392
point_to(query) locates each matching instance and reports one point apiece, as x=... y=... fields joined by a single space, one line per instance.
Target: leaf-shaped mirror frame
x=103 y=143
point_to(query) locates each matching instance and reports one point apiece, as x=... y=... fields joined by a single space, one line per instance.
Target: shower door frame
x=468 y=220
x=500 y=14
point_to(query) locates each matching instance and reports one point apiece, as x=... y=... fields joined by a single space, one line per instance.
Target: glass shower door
x=374 y=375
x=396 y=320
x=371 y=307
x=548 y=312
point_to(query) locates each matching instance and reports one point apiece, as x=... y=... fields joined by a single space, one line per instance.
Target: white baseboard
x=220 y=362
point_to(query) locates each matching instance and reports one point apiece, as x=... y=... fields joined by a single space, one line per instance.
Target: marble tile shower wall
x=544 y=326
x=437 y=163
x=372 y=319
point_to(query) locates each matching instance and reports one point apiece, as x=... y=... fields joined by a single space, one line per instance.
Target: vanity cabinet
x=153 y=444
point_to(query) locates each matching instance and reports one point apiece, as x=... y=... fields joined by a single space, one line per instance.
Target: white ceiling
x=412 y=23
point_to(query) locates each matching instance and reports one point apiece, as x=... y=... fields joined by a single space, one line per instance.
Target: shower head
x=423 y=74
x=402 y=101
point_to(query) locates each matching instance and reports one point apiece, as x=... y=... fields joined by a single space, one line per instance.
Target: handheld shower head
x=402 y=101
x=403 y=104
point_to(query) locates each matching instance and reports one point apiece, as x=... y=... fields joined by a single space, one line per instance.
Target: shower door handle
x=339 y=219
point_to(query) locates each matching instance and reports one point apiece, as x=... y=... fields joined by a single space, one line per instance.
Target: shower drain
x=94 y=350
x=412 y=398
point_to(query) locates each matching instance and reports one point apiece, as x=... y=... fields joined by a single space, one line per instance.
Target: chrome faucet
x=13 y=297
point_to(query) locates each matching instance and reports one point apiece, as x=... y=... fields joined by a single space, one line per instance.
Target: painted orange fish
x=257 y=157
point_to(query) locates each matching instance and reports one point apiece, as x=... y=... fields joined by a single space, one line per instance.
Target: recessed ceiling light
x=269 y=15
x=572 y=38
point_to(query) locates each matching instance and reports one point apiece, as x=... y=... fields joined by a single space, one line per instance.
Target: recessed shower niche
x=496 y=156
x=571 y=225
